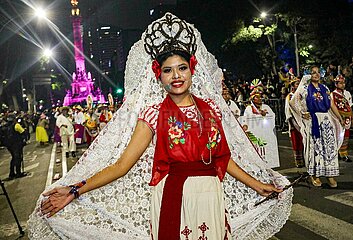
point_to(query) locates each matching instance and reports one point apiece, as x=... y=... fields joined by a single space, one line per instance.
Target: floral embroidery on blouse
x=318 y=96
x=215 y=135
x=176 y=131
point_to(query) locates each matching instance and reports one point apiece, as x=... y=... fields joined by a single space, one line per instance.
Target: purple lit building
x=82 y=84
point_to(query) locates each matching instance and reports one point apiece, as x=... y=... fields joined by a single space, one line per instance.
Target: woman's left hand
x=266 y=189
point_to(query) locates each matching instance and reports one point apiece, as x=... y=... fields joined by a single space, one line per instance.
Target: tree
x=254 y=33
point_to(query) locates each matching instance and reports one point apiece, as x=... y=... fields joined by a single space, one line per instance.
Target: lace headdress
x=120 y=210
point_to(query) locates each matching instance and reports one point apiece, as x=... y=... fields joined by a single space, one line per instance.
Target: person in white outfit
x=67 y=132
x=231 y=104
x=256 y=106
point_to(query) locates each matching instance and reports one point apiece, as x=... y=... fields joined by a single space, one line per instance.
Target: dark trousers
x=16 y=161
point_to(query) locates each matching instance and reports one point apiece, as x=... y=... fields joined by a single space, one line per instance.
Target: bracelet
x=74 y=191
x=75 y=188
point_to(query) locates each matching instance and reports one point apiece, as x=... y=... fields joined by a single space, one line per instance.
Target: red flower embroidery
x=156 y=69
x=174 y=132
x=192 y=64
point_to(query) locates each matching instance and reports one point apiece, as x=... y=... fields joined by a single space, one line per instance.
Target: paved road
x=317 y=213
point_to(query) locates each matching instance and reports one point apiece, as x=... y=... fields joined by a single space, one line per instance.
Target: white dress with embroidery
x=203 y=211
x=320 y=154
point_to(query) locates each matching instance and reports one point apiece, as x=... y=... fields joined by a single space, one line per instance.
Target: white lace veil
x=120 y=210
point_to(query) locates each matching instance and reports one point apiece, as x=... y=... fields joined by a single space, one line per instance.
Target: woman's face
x=176 y=75
x=315 y=74
x=341 y=85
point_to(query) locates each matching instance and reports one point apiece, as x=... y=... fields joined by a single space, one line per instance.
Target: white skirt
x=203 y=212
x=321 y=154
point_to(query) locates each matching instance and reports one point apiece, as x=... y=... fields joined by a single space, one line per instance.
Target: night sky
x=216 y=20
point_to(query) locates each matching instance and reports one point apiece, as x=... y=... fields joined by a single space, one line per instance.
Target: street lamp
x=47 y=53
x=263 y=15
x=40 y=13
x=21 y=24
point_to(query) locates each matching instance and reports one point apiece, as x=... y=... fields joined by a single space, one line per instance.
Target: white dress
x=320 y=154
x=203 y=210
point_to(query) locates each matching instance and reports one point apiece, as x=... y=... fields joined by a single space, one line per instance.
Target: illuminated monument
x=82 y=84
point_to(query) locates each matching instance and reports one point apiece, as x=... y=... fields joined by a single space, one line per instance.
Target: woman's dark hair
x=313 y=66
x=161 y=58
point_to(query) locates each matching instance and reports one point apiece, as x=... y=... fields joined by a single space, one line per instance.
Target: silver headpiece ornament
x=168 y=34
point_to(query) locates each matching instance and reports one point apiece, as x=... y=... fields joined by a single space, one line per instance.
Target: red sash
x=341 y=104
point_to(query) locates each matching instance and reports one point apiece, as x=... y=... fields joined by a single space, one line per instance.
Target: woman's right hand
x=56 y=199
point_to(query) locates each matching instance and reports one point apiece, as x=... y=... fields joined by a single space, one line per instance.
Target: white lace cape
x=120 y=210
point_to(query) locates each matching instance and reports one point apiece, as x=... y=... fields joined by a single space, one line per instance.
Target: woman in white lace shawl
x=321 y=127
x=120 y=209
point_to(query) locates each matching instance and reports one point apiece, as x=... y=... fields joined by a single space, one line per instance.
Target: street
x=317 y=213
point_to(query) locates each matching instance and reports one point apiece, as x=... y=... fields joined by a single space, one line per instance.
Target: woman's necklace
x=200 y=119
x=199 y=116
x=210 y=149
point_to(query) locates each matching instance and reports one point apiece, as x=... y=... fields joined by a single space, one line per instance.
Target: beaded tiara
x=167 y=34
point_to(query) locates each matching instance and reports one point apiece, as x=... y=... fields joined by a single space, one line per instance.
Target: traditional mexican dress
x=67 y=133
x=252 y=110
x=190 y=161
x=321 y=133
x=79 y=128
x=41 y=132
x=104 y=118
x=295 y=135
x=91 y=127
x=344 y=107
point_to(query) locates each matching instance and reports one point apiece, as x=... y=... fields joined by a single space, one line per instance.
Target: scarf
x=317 y=101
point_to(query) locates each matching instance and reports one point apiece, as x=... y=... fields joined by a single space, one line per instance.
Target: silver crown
x=167 y=34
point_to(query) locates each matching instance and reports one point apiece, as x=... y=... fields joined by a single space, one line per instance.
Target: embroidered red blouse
x=181 y=138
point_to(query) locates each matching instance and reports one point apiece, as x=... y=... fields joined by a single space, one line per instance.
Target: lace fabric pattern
x=121 y=209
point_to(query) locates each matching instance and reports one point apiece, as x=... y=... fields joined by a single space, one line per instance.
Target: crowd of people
x=67 y=126
x=181 y=138
x=317 y=112
x=275 y=89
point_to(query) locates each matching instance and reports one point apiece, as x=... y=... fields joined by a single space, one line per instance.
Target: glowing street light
x=263 y=14
x=48 y=53
x=40 y=13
